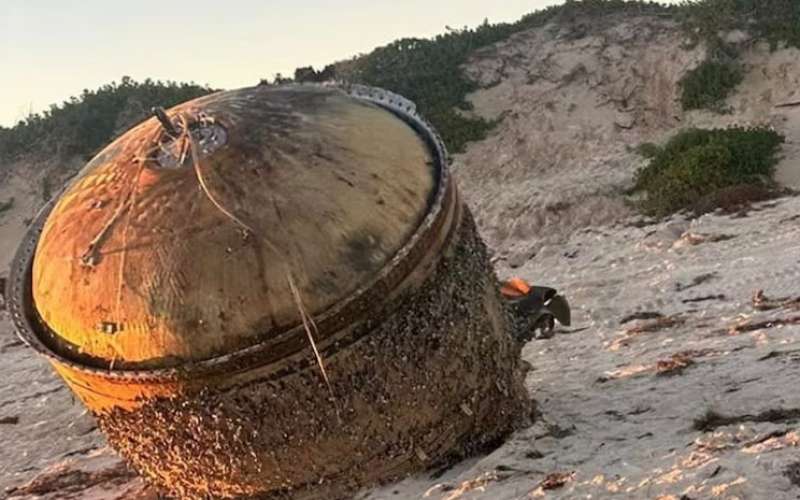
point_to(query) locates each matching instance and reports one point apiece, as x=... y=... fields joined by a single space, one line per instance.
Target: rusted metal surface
x=429 y=379
x=160 y=285
x=162 y=263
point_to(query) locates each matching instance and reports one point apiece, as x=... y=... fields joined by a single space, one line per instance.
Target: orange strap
x=515 y=287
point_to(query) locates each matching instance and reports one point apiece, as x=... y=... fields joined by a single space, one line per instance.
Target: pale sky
x=53 y=49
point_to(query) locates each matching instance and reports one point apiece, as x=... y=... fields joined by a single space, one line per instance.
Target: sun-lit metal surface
x=139 y=234
x=329 y=286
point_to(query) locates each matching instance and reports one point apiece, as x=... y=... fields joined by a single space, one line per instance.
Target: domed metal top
x=215 y=228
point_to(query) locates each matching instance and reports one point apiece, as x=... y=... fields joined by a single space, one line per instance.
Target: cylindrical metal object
x=288 y=298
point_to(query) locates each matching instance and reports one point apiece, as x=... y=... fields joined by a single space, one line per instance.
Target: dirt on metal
x=423 y=383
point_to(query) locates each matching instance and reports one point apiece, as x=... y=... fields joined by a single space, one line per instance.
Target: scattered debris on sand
x=675 y=364
x=9 y=420
x=553 y=481
x=92 y=475
x=763 y=303
x=644 y=315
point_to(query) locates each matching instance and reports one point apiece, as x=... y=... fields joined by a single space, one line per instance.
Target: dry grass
x=735 y=199
x=308 y=325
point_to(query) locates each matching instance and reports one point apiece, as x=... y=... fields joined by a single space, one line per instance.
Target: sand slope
x=576 y=101
x=14 y=221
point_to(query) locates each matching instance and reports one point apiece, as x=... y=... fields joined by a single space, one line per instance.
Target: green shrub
x=648 y=150
x=7 y=205
x=428 y=71
x=81 y=125
x=774 y=21
x=709 y=84
x=697 y=163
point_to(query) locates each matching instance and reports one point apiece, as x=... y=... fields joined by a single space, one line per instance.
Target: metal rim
x=30 y=326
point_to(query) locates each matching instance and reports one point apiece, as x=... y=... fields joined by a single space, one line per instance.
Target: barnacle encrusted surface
x=434 y=377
